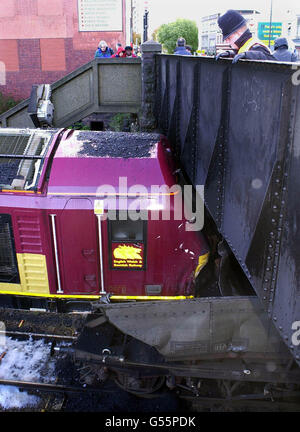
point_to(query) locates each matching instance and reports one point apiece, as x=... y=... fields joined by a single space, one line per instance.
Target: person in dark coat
x=103 y=50
x=282 y=52
x=180 y=48
x=238 y=36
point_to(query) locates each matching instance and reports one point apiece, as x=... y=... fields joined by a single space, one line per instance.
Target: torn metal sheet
x=192 y=329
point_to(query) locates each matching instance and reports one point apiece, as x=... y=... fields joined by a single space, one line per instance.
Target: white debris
x=24 y=361
x=12 y=397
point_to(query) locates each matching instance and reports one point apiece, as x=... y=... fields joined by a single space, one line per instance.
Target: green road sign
x=264 y=33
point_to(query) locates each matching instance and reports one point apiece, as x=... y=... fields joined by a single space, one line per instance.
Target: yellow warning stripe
x=27 y=294
x=20 y=191
x=33 y=273
x=146 y=298
x=96 y=297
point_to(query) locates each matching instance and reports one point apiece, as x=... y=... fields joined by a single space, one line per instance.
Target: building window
x=298 y=27
x=204 y=44
x=8 y=261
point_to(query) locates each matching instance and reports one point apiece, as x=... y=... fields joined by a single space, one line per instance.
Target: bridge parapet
x=110 y=85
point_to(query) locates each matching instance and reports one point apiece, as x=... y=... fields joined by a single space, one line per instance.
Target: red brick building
x=43 y=40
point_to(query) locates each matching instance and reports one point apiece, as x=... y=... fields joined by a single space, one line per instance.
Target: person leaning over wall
x=181 y=48
x=129 y=51
x=103 y=51
x=282 y=52
x=238 y=36
x=119 y=53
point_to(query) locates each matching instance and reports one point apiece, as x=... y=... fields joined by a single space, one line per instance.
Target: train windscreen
x=22 y=154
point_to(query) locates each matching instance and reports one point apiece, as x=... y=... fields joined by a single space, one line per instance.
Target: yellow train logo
x=128 y=253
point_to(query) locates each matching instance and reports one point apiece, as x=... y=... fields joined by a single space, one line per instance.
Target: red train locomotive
x=92 y=222
x=67 y=234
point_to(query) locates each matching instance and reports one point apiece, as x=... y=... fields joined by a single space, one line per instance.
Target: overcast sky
x=164 y=11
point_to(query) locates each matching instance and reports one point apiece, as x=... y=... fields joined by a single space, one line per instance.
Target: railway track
x=241 y=405
x=55 y=395
x=22 y=335
x=49 y=387
x=52 y=395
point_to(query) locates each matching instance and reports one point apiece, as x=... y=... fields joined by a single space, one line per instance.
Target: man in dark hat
x=282 y=52
x=180 y=48
x=238 y=36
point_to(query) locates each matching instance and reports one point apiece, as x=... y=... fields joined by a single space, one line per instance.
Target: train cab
x=90 y=215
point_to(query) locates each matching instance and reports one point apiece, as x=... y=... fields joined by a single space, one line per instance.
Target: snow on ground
x=24 y=361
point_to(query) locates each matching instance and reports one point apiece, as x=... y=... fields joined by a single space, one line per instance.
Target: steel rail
x=48 y=387
x=38 y=335
x=247 y=397
x=252 y=405
x=44 y=386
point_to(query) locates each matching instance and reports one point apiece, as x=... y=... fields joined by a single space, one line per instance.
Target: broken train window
x=22 y=154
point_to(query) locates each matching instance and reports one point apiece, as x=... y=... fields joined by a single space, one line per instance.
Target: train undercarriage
x=229 y=375
x=217 y=351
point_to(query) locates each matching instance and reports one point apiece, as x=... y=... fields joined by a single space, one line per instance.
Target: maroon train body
x=63 y=196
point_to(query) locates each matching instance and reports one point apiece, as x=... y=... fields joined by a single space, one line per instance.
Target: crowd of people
x=236 y=34
x=243 y=45
x=104 y=51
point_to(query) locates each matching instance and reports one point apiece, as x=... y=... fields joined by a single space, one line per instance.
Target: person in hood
x=282 y=52
x=103 y=50
x=120 y=53
x=238 y=36
x=180 y=48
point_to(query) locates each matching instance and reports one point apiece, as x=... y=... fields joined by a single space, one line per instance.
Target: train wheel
x=90 y=374
x=139 y=386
